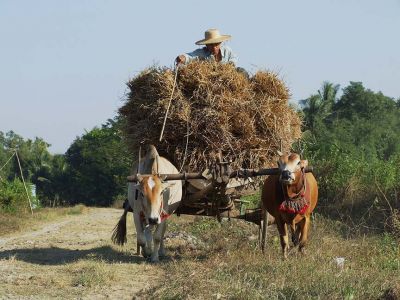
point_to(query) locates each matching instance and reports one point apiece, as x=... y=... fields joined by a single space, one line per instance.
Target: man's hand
x=180 y=59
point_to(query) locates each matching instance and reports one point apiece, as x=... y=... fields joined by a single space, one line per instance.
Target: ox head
x=151 y=194
x=290 y=166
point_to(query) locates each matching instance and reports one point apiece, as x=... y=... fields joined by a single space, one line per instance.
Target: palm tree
x=319 y=106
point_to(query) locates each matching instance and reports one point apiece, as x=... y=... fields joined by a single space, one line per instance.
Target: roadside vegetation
x=353 y=142
x=91 y=173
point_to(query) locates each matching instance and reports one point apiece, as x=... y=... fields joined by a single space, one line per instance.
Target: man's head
x=214 y=48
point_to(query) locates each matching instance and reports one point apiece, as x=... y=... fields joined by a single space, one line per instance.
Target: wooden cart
x=218 y=191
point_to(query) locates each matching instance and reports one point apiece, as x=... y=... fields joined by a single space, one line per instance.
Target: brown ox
x=290 y=198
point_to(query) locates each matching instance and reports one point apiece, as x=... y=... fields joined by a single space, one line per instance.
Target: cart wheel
x=264 y=226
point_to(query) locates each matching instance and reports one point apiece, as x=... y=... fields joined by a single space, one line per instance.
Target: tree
x=318 y=107
x=374 y=119
x=98 y=163
x=355 y=147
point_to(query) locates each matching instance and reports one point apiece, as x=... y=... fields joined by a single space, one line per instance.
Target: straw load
x=213 y=107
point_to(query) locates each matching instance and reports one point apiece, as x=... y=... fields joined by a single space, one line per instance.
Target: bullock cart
x=218 y=192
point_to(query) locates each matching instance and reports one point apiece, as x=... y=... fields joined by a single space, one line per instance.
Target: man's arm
x=187 y=57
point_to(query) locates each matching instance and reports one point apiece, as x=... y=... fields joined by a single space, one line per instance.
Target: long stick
x=169 y=104
x=23 y=180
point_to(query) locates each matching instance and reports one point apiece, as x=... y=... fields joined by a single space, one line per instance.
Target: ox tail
x=119 y=233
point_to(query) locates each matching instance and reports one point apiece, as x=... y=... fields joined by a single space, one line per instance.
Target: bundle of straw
x=248 y=119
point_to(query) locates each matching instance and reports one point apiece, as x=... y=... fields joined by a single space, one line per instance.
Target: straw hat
x=212 y=36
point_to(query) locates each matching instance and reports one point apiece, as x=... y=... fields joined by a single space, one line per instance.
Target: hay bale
x=247 y=119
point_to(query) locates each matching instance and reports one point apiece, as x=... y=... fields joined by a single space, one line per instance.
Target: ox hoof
x=302 y=250
x=146 y=254
x=285 y=255
x=154 y=260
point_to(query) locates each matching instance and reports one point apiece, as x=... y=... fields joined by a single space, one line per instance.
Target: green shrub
x=357 y=189
x=13 y=197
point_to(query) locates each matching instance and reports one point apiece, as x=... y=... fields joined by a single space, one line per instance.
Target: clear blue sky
x=64 y=63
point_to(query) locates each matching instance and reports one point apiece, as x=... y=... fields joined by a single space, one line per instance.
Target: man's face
x=214 y=48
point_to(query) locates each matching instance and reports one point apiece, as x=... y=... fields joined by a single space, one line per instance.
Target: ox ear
x=279 y=152
x=303 y=163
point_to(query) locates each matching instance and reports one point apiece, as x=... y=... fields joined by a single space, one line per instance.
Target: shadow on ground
x=60 y=256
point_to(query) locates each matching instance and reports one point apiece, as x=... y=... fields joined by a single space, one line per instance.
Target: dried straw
x=248 y=119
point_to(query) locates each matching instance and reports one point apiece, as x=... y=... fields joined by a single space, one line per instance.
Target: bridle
x=298 y=202
x=301 y=193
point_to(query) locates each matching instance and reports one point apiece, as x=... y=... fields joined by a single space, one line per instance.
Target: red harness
x=300 y=202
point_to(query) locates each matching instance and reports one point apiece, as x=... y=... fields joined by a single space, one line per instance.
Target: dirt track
x=73 y=258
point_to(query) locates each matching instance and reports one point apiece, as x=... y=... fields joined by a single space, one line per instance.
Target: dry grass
x=225 y=263
x=10 y=223
x=247 y=119
x=91 y=273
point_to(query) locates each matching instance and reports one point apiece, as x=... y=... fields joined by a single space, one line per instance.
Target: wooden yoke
x=241 y=173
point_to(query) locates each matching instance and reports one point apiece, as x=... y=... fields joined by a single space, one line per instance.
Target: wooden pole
x=23 y=180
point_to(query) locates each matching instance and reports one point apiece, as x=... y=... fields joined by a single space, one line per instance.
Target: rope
x=169 y=104
x=12 y=155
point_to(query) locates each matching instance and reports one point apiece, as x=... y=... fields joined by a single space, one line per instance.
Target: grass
x=91 y=273
x=10 y=223
x=227 y=264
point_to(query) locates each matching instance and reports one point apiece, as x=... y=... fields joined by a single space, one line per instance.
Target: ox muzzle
x=287 y=177
x=154 y=221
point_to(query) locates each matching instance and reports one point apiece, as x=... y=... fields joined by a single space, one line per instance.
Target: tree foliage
x=98 y=163
x=354 y=142
x=93 y=171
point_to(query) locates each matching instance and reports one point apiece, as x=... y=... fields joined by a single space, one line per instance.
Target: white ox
x=153 y=201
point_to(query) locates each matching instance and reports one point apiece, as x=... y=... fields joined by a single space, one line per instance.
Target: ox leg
x=283 y=234
x=149 y=242
x=161 y=252
x=157 y=237
x=295 y=229
x=303 y=225
x=140 y=235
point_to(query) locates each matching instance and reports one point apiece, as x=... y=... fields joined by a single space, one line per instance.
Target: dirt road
x=73 y=258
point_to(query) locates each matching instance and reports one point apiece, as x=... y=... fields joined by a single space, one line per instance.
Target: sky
x=64 y=64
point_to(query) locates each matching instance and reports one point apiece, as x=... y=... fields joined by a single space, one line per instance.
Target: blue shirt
x=203 y=54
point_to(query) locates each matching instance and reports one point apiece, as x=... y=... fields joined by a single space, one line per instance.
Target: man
x=213 y=50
